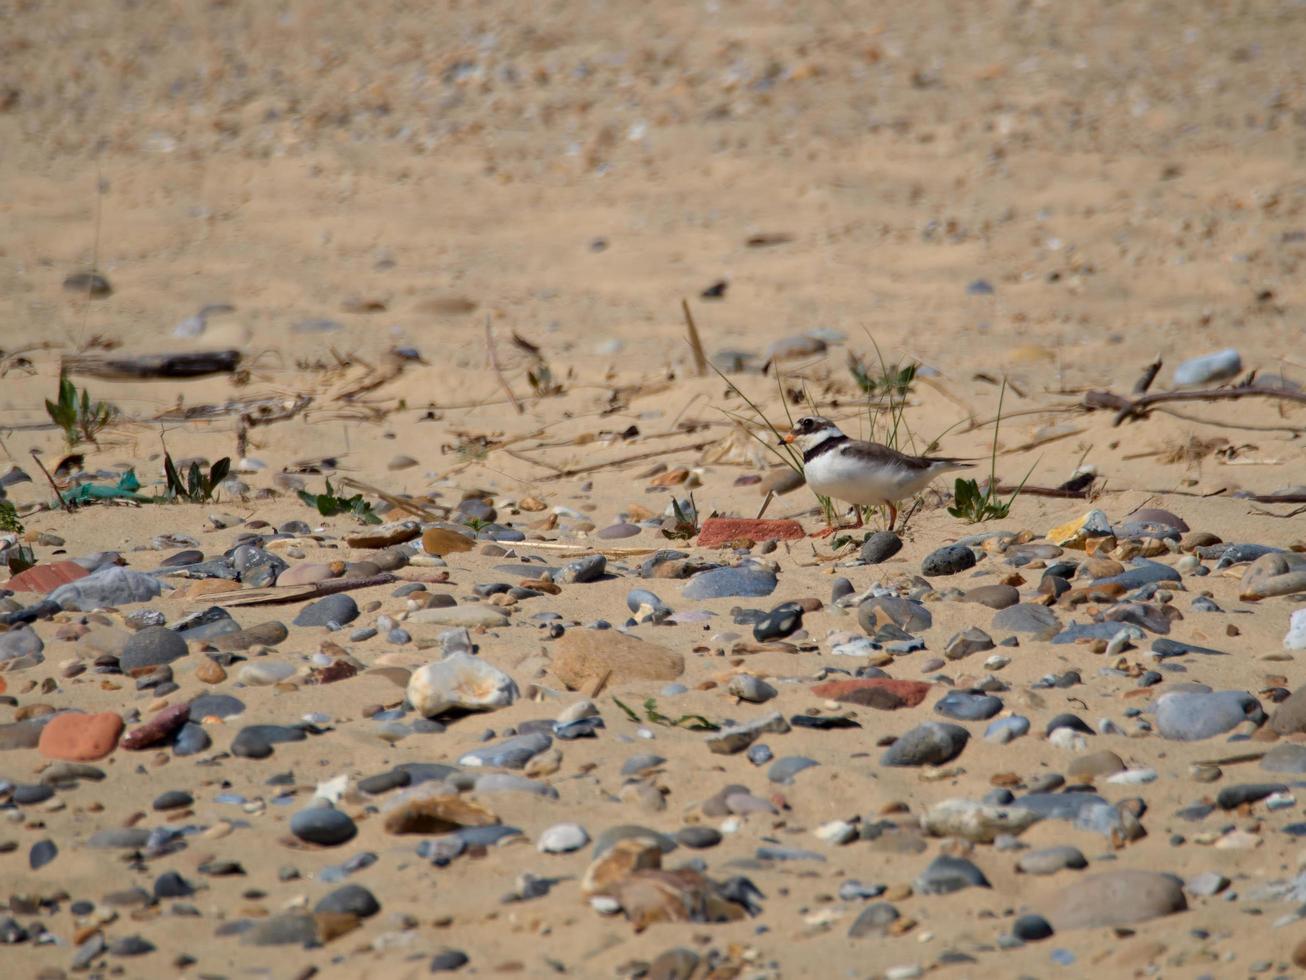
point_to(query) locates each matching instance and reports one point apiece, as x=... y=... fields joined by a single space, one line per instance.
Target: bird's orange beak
x=786 y=438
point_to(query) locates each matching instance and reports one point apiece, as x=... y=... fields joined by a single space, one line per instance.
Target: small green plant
x=975 y=506
x=329 y=505
x=695 y=723
x=891 y=382
x=199 y=487
x=19 y=558
x=9 y=518
x=476 y=524
x=79 y=417
x=686 y=526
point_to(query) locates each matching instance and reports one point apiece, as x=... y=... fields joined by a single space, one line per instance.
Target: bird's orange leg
x=893 y=516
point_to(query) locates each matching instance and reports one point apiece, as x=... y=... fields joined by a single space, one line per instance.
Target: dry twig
x=493 y=355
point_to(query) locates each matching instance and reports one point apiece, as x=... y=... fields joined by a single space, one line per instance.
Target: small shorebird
x=866 y=474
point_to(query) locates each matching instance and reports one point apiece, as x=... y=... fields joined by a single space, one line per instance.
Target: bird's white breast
x=860 y=481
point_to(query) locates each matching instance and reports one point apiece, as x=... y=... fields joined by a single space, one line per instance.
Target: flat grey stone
x=929 y=744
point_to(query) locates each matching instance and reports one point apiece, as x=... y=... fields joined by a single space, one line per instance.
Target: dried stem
x=1131 y=408
x=695 y=342
x=498 y=371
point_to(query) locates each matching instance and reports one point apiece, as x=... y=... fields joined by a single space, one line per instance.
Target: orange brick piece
x=719 y=531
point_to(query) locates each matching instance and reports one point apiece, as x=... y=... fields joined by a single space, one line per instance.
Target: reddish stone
x=80 y=738
x=719 y=531
x=337 y=670
x=46 y=578
x=885 y=693
x=158 y=729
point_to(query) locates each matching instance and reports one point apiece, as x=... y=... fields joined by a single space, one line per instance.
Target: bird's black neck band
x=824 y=446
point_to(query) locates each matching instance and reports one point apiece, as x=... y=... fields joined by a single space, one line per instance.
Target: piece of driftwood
x=1137 y=408
x=145 y=367
x=622 y=460
x=278 y=594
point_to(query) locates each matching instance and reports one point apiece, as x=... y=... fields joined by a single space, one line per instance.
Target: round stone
x=562 y=838
x=1031 y=928
x=880 y=546
x=350 y=900
x=948 y=560
x=323 y=825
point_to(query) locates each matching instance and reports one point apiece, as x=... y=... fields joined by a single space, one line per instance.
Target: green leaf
x=172 y=477
x=218 y=472
x=194 y=482
x=630 y=712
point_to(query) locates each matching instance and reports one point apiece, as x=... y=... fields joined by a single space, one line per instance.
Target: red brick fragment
x=886 y=693
x=719 y=531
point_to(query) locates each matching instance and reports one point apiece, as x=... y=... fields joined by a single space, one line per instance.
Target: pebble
x=947 y=874
x=468 y=616
x=339 y=609
x=968 y=706
x=323 y=825
x=948 y=560
x=1125 y=897
x=151 y=647
x=1192 y=716
x=752 y=689
x=79 y=737
x=1209 y=367
x=739 y=580
x=1027 y=618
x=930 y=744
x=880 y=547
x=994 y=596
x=460 y=682
x=562 y=838
x=1050 y=860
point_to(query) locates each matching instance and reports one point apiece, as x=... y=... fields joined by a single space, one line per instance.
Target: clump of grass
x=9 y=518
x=199 y=487
x=80 y=419
x=975 y=506
x=328 y=504
x=782 y=451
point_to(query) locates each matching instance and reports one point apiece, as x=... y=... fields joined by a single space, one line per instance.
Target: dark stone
x=698 y=836
x=930 y=744
x=151 y=647
x=41 y=854
x=172 y=885
x=256 y=741
x=1232 y=797
x=1031 y=928
x=338 y=608
x=947 y=874
x=968 y=705
x=948 y=560
x=353 y=899
x=323 y=825
x=880 y=546
x=449 y=960
x=780 y=622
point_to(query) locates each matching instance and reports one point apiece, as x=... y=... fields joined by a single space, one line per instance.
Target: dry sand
x=1125 y=177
